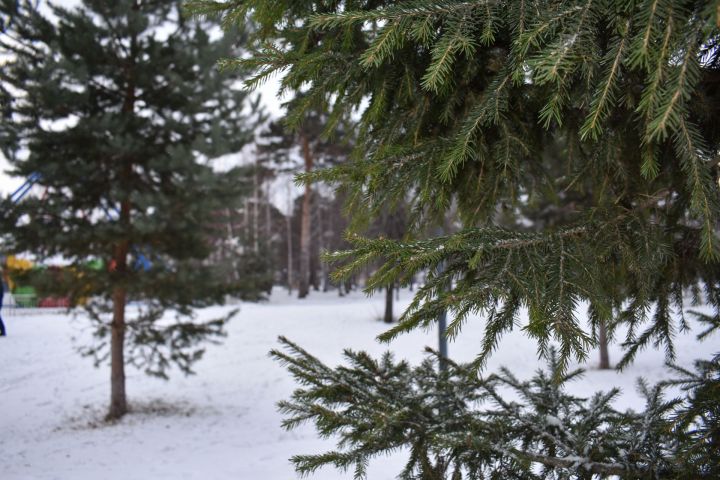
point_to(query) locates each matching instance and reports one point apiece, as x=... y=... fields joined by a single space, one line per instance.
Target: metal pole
x=442 y=329
x=442 y=340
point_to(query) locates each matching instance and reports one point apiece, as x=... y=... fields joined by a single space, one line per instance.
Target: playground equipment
x=18 y=296
x=23 y=190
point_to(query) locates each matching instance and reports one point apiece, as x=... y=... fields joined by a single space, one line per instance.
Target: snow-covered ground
x=221 y=423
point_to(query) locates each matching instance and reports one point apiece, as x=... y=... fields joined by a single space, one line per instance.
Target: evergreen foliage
x=596 y=117
x=455 y=424
x=116 y=107
x=479 y=103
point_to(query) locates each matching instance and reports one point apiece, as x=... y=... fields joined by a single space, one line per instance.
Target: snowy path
x=222 y=422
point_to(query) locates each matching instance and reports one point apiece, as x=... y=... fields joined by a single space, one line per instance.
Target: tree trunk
x=268 y=218
x=325 y=277
x=289 y=254
x=256 y=212
x=314 y=278
x=603 y=342
x=389 y=303
x=230 y=252
x=118 y=397
x=247 y=222
x=324 y=274
x=305 y=233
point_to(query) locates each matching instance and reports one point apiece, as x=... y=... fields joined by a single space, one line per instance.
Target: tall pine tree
x=116 y=107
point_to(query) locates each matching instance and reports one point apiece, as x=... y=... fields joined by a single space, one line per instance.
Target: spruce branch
x=604 y=100
x=455 y=418
x=407 y=10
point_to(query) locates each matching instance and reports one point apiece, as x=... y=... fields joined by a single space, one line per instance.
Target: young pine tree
x=115 y=108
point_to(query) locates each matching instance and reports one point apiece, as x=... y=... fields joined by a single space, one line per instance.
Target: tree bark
x=389 y=303
x=289 y=253
x=247 y=222
x=324 y=274
x=305 y=233
x=256 y=210
x=268 y=218
x=118 y=397
x=314 y=262
x=603 y=343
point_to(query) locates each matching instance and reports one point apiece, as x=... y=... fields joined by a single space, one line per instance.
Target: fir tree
x=456 y=424
x=603 y=110
x=115 y=108
x=478 y=102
